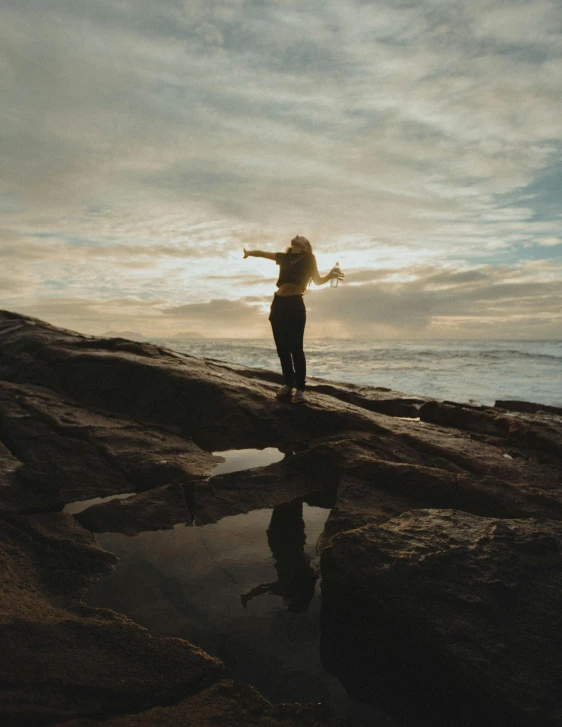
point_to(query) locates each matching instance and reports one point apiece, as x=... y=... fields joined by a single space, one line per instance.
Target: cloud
x=355 y=98
x=147 y=143
x=222 y=318
x=418 y=302
x=446 y=303
x=11 y=285
x=154 y=317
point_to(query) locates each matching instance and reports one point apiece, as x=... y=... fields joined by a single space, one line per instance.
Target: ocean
x=477 y=372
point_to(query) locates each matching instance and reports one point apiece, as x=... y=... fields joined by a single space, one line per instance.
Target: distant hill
x=133 y=336
x=124 y=334
x=188 y=334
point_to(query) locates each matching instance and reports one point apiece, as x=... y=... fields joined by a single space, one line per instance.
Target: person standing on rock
x=297 y=267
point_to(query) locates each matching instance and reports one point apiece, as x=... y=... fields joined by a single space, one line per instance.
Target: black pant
x=288 y=319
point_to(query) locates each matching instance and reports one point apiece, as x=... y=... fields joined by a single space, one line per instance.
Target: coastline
x=476 y=371
x=442 y=544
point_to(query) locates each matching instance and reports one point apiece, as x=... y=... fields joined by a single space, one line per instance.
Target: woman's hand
x=341 y=275
x=259 y=253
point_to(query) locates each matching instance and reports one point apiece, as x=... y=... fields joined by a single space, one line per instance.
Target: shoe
x=298 y=397
x=284 y=391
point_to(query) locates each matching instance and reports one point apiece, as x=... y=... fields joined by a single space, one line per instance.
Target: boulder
x=59 y=659
x=540 y=435
x=465 y=610
x=441 y=569
x=226 y=703
x=235 y=493
x=158 y=509
x=527 y=407
x=77 y=453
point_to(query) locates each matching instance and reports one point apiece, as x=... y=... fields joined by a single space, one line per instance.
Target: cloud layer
x=424 y=302
x=147 y=143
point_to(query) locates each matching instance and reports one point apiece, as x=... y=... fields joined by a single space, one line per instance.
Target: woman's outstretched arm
x=259 y=253
x=318 y=279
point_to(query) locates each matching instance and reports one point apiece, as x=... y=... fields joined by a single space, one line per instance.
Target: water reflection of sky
x=234 y=460
x=242 y=459
x=189 y=582
x=245 y=589
x=73 y=508
x=218 y=586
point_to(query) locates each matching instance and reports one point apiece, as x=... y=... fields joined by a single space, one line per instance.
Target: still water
x=245 y=589
x=73 y=508
x=234 y=460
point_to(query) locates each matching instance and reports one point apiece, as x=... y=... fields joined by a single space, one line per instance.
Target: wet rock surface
x=83 y=417
x=478 y=601
x=158 y=509
x=227 y=704
x=59 y=659
x=261 y=487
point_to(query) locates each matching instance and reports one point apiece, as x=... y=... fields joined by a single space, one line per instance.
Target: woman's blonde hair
x=301 y=244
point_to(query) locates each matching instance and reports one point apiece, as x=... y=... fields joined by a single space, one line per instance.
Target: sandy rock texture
x=477 y=599
x=157 y=509
x=440 y=551
x=59 y=659
x=226 y=703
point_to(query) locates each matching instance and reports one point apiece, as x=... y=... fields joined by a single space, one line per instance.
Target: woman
x=297 y=267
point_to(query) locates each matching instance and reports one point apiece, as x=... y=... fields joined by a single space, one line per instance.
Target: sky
x=144 y=144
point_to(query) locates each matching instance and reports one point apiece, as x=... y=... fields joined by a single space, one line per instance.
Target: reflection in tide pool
x=73 y=508
x=296 y=575
x=243 y=459
x=245 y=589
x=234 y=460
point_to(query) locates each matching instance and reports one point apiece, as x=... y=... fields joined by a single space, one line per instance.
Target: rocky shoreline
x=441 y=566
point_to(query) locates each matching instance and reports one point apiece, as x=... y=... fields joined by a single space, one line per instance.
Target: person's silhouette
x=296 y=579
